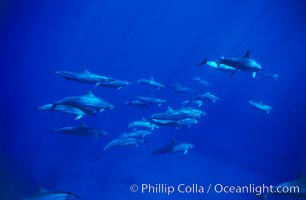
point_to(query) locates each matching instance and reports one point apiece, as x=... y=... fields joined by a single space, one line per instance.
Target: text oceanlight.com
x=218 y=188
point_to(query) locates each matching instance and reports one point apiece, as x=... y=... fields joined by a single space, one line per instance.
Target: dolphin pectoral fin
x=203 y=62
x=254 y=74
x=169 y=109
x=78 y=117
x=186 y=151
x=268 y=111
x=247 y=54
x=97 y=84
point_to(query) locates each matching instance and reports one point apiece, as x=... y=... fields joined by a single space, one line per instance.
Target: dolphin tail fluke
x=203 y=62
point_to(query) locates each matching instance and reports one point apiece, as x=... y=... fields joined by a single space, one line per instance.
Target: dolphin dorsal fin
x=152 y=78
x=247 y=54
x=143 y=119
x=222 y=57
x=173 y=141
x=82 y=124
x=90 y=93
x=169 y=108
x=85 y=70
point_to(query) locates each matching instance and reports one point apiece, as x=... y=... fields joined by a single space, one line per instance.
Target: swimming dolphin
x=118 y=84
x=86 y=103
x=186 y=123
x=269 y=76
x=165 y=122
x=174 y=147
x=218 y=66
x=168 y=116
x=207 y=97
x=66 y=109
x=178 y=88
x=136 y=134
x=151 y=82
x=124 y=141
x=198 y=79
x=261 y=106
x=198 y=103
x=151 y=100
x=83 y=77
x=192 y=112
x=299 y=183
x=137 y=103
x=143 y=124
x=242 y=64
x=44 y=194
x=81 y=130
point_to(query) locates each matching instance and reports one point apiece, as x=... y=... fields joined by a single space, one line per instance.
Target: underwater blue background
x=235 y=144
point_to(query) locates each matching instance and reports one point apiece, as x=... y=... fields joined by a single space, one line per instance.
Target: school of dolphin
x=185 y=117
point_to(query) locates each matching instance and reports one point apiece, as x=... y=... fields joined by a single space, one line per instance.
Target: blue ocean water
x=235 y=144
